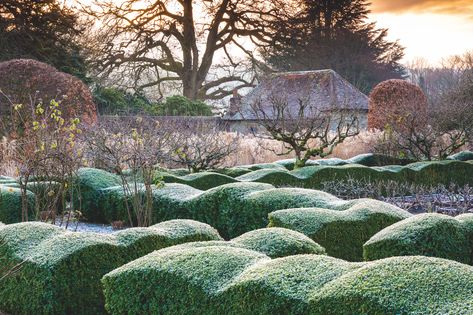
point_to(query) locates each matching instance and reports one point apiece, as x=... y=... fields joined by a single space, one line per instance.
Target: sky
x=430 y=29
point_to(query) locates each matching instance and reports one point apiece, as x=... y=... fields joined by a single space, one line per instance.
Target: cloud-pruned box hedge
x=228 y=280
x=89 y=182
x=427 y=234
x=462 y=156
x=60 y=271
x=10 y=204
x=233 y=209
x=273 y=242
x=421 y=173
x=342 y=233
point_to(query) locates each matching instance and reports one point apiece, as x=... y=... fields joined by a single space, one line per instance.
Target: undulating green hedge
x=229 y=280
x=342 y=233
x=421 y=173
x=89 y=182
x=278 y=242
x=429 y=234
x=232 y=209
x=59 y=272
x=462 y=156
x=273 y=242
x=10 y=204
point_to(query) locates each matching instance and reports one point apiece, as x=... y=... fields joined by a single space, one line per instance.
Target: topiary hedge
x=399 y=285
x=420 y=173
x=424 y=234
x=89 y=182
x=341 y=233
x=461 y=156
x=232 y=209
x=59 y=271
x=10 y=204
x=228 y=280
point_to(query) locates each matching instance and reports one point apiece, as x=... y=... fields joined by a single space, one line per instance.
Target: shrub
x=10 y=204
x=202 y=181
x=232 y=209
x=178 y=105
x=278 y=242
x=60 y=271
x=228 y=280
x=341 y=233
x=396 y=102
x=90 y=181
x=21 y=78
x=193 y=277
x=400 y=285
x=462 y=156
x=424 y=234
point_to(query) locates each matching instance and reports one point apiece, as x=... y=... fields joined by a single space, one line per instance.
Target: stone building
x=326 y=91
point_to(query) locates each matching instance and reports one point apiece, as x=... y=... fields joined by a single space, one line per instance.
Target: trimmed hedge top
x=60 y=270
x=462 y=156
x=422 y=173
x=10 y=204
x=233 y=209
x=228 y=280
x=426 y=234
x=278 y=242
x=341 y=233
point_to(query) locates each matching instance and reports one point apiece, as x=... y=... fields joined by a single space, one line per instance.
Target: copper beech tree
x=177 y=41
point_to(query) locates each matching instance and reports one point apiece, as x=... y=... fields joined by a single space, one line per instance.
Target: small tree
x=132 y=150
x=305 y=129
x=201 y=146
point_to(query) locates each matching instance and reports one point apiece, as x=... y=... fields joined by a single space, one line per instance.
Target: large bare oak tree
x=178 y=41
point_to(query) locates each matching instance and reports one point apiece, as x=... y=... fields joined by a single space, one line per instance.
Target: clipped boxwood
x=60 y=270
x=189 y=280
x=426 y=234
x=341 y=233
x=228 y=280
x=233 y=209
x=89 y=182
x=10 y=204
x=202 y=181
x=399 y=285
x=462 y=156
x=278 y=242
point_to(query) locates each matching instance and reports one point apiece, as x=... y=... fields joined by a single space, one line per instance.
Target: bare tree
x=201 y=145
x=177 y=40
x=305 y=129
x=132 y=149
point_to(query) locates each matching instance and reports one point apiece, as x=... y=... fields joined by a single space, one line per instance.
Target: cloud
x=462 y=7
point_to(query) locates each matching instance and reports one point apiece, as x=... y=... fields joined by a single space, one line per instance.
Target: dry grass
x=251 y=150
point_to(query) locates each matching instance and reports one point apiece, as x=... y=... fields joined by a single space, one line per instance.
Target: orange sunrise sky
x=431 y=29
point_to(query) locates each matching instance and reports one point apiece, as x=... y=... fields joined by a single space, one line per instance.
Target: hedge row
x=232 y=209
x=273 y=242
x=422 y=173
x=10 y=204
x=434 y=235
x=59 y=272
x=228 y=280
x=341 y=233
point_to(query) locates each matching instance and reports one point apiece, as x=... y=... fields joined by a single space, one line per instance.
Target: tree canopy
x=334 y=34
x=178 y=41
x=43 y=30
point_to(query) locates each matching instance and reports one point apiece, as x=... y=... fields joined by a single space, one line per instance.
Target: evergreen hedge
x=59 y=272
x=228 y=280
x=427 y=234
x=342 y=233
x=10 y=204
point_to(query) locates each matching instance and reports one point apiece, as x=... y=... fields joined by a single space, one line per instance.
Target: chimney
x=235 y=103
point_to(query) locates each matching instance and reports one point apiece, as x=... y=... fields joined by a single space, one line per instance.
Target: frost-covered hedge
x=430 y=234
x=229 y=280
x=10 y=204
x=232 y=209
x=59 y=272
x=342 y=233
